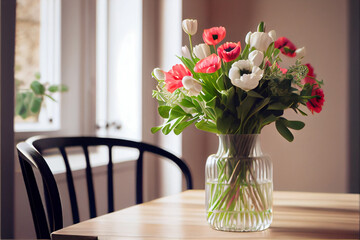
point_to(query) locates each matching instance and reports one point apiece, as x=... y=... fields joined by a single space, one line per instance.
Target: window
x=37 y=56
x=119 y=68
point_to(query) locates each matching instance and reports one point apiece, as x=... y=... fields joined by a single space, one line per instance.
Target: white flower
x=192 y=85
x=159 y=74
x=250 y=77
x=190 y=26
x=247 y=38
x=272 y=34
x=260 y=41
x=185 y=52
x=256 y=57
x=202 y=51
x=300 y=52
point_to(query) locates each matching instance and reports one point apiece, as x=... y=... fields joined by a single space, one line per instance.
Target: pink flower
x=315 y=104
x=310 y=77
x=213 y=36
x=285 y=46
x=229 y=51
x=173 y=78
x=209 y=64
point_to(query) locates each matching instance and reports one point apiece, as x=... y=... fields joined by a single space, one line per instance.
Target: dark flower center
x=242 y=72
x=229 y=49
x=215 y=37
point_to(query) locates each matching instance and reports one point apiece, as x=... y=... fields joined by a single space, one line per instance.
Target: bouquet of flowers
x=233 y=90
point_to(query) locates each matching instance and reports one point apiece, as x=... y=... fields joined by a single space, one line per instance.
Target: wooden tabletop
x=182 y=216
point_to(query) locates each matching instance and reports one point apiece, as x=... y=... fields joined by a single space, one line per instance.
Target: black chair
x=30 y=157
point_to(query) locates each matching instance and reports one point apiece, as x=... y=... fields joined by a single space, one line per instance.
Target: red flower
x=285 y=46
x=315 y=104
x=229 y=51
x=310 y=77
x=173 y=78
x=209 y=64
x=214 y=35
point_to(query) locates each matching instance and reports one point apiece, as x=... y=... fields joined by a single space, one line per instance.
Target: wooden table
x=182 y=216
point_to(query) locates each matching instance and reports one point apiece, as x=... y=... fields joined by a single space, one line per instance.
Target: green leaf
x=187 y=103
x=176 y=112
x=53 y=88
x=181 y=126
x=296 y=125
x=302 y=112
x=37 y=87
x=277 y=106
x=155 y=129
x=283 y=130
x=64 y=88
x=164 y=111
x=254 y=94
x=269 y=119
x=276 y=52
x=166 y=130
x=37 y=76
x=206 y=126
x=261 y=27
x=36 y=105
x=245 y=107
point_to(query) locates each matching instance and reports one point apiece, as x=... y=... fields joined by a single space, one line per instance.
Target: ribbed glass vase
x=239 y=185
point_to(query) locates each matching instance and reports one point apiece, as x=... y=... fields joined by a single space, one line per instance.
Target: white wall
x=317 y=160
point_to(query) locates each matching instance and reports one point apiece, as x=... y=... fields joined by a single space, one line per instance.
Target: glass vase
x=239 y=185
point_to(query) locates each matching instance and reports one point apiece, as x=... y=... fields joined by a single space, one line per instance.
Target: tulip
x=192 y=85
x=202 y=51
x=272 y=34
x=159 y=74
x=244 y=75
x=213 y=36
x=208 y=65
x=190 y=26
x=260 y=41
x=300 y=52
x=247 y=37
x=185 y=52
x=229 y=51
x=256 y=57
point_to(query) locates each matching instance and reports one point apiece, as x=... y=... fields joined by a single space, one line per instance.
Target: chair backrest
x=41 y=144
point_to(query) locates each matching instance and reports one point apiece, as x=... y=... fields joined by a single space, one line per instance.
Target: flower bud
x=202 y=51
x=159 y=74
x=185 y=52
x=300 y=52
x=272 y=34
x=247 y=38
x=192 y=85
x=256 y=57
x=190 y=26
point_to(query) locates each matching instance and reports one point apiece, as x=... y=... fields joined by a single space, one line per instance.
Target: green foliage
x=28 y=101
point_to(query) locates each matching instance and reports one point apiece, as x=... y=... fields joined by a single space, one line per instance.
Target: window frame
x=50 y=68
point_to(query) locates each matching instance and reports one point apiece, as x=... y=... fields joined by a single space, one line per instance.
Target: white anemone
x=245 y=75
